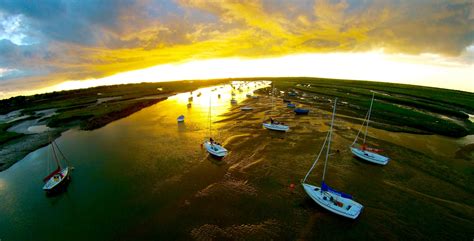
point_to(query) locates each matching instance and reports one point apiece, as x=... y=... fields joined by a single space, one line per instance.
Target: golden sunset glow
x=423 y=43
x=364 y=66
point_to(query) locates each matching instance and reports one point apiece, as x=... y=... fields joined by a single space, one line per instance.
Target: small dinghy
x=292 y=94
x=189 y=105
x=275 y=126
x=290 y=105
x=190 y=99
x=233 y=94
x=246 y=108
x=181 y=118
x=362 y=151
x=330 y=199
x=219 y=96
x=248 y=95
x=57 y=178
x=199 y=94
x=301 y=111
x=233 y=101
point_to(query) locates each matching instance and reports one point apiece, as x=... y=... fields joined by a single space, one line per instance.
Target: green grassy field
x=399 y=107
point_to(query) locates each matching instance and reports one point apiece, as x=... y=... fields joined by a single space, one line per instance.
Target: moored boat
x=213 y=147
x=328 y=198
x=363 y=151
x=276 y=126
x=57 y=178
x=273 y=124
x=301 y=111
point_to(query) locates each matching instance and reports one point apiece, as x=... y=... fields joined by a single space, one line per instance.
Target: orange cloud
x=147 y=33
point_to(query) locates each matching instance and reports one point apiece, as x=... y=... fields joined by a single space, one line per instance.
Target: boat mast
x=55 y=155
x=62 y=154
x=273 y=93
x=210 y=132
x=317 y=158
x=368 y=116
x=330 y=136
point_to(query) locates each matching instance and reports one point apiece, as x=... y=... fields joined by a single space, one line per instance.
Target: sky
x=52 y=45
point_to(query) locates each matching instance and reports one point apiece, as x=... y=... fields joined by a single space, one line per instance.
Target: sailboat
x=213 y=147
x=273 y=124
x=60 y=175
x=364 y=152
x=327 y=197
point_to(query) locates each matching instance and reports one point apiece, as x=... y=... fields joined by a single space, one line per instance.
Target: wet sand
x=415 y=197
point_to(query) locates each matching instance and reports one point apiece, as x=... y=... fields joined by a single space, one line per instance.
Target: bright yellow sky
x=428 y=70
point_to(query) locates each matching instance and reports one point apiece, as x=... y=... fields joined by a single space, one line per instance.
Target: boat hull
x=215 y=149
x=301 y=111
x=276 y=127
x=370 y=156
x=56 y=181
x=348 y=208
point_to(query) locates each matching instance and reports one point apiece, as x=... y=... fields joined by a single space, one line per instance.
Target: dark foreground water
x=145 y=177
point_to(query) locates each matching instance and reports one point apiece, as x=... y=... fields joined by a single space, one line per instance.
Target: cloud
x=92 y=39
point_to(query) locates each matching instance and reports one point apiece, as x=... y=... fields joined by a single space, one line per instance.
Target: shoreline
x=85 y=113
x=13 y=151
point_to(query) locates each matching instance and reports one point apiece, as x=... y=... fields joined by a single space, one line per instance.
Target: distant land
x=397 y=107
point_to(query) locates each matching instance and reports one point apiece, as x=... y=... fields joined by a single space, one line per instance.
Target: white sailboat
x=328 y=198
x=213 y=147
x=364 y=152
x=60 y=175
x=273 y=124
